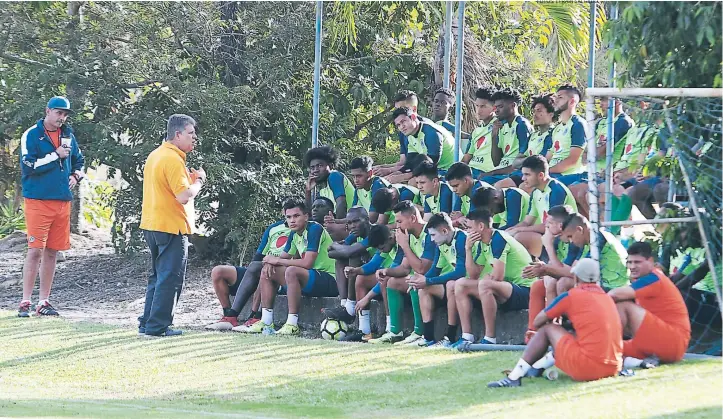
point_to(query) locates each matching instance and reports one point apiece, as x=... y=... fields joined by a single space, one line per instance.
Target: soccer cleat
x=355 y=336
x=248 y=323
x=534 y=372
x=46 y=310
x=257 y=328
x=338 y=313
x=486 y=342
x=423 y=343
x=168 y=333
x=388 y=337
x=289 y=330
x=650 y=362
x=441 y=344
x=410 y=340
x=459 y=343
x=225 y=323
x=528 y=335
x=24 y=310
x=505 y=382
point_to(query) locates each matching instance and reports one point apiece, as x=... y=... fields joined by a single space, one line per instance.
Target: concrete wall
x=511 y=326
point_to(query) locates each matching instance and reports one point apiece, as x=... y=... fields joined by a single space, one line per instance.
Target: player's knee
x=486 y=287
x=34 y=255
x=291 y=276
x=564 y=285
x=217 y=274
x=450 y=286
x=255 y=267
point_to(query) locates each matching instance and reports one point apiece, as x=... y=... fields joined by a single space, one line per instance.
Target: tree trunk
x=75 y=210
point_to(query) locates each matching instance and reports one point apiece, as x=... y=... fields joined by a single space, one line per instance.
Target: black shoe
x=338 y=313
x=141 y=330
x=534 y=372
x=650 y=362
x=355 y=336
x=505 y=382
x=46 y=310
x=166 y=334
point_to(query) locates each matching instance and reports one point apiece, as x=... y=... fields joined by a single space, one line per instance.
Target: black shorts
x=240 y=272
x=519 y=299
x=321 y=284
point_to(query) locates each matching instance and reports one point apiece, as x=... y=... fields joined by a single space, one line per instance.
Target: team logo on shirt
x=507 y=148
x=281 y=241
x=480 y=141
x=628 y=148
x=557 y=145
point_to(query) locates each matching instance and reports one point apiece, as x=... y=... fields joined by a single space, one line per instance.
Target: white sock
x=468 y=337
x=42 y=302
x=365 y=322
x=492 y=340
x=520 y=370
x=293 y=319
x=343 y=302
x=545 y=362
x=630 y=362
x=389 y=324
x=350 y=306
x=267 y=315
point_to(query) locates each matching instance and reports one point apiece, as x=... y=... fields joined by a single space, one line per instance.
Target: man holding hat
x=594 y=351
x=51 y=165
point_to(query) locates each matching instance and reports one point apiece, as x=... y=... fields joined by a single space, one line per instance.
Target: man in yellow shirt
x=167 y=218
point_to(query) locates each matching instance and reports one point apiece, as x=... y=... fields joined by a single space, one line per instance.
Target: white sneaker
x=224 y=324
x=410 y=340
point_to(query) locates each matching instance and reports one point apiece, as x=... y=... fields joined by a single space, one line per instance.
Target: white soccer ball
x=333 y=329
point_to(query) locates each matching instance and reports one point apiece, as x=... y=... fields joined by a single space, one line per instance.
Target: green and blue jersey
x=480 y=147
x=517 y=205
x=431 y=140
x=464 y=204
x=273 y=241
x=513 y=140
x=555 y=193
x=564 y=137
x=440 y=203
x=621 y=125
x=313 y=239
x=336 y=186
x=540 y=143
x=363 y=197
x=506 y=249
x=449 y=261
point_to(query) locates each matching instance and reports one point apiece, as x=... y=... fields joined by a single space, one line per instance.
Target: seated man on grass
x=354 y=251
x=546 y=193
x=242 y=282
x=508 y=206
x=437 y=194
x=304 y=267
x=438 y=282
x=652 y=311
x=494 y=265
x=592 y=352
x=387 y=256
x=418 y=249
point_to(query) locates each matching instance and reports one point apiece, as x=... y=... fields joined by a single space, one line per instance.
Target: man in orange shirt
x=51 y=164
x=594 y=351
x=652 y=311
x=167 y=219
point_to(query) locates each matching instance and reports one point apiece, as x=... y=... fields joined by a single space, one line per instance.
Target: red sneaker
x=225 y=323
x=24 y=310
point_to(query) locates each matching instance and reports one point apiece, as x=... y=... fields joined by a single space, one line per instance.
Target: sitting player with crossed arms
x=592 y=352
x=652 y=311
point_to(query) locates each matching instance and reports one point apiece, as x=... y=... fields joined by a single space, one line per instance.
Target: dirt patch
x=92 y=283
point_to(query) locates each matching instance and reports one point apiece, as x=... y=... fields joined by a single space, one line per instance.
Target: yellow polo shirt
x=164 y=177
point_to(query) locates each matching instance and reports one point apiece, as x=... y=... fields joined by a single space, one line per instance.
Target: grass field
x=54 y=368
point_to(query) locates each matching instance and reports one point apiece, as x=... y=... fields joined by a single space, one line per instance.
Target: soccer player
x=242 y=282
x=441 y=105
x=547 y=193
x=652 y=311
x=331 y=184
x=498 y=259
x=508 y=206
x=438 y=282
x=323 y=209
x=540 y=140
x=438 y=195
x=463 y=185
x=425 y=137
x=385 y=199
x=352 y=252
x=387 y=256
x=478 y=153
x=418 y=250
x=576 y=230
x=304 y=267
x=405 y=98
x=568 y=137
x=593 y=352
x=366 y=185
x=510 y=135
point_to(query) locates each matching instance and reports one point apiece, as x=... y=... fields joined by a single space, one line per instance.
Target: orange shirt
x=164 y=177
x=657 y=294
x=596 y=321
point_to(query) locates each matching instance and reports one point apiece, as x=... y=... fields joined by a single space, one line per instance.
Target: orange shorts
x=573 y=362
x=655 y=337
x=48 y=224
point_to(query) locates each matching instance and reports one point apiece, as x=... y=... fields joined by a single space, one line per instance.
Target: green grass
x=54 y=368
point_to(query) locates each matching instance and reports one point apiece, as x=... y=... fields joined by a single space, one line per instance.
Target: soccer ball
x=333 y=329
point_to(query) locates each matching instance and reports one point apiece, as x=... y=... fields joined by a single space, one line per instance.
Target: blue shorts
x=320 y=284
x=568 y=180
x=476 y=173
x=240 y=272
x=519 y=299
x=651 y=181
x=492 y=179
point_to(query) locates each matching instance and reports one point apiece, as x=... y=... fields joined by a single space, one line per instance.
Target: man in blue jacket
x=51 y=165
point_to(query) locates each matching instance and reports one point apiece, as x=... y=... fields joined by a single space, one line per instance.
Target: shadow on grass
x=700 y=412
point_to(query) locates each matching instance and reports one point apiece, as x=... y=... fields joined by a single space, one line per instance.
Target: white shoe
x=410 y=340
x=222 y=325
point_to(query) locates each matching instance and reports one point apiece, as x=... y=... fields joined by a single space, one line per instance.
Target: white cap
x=587 y=270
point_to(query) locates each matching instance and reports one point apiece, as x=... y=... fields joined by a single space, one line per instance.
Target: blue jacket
x=44 y=174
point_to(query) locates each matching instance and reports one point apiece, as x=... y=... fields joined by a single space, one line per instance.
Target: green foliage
x=668 y=44
x=99 y=201
x=10 y=219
